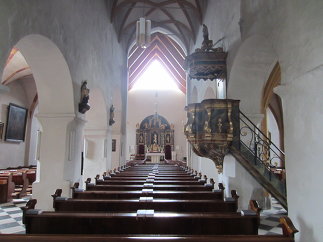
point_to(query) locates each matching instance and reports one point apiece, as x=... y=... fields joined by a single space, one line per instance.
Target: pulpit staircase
x=261 y=158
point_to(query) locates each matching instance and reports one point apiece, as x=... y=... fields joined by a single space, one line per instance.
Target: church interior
x=141 y=120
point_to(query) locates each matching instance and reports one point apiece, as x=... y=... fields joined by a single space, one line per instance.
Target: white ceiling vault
x=181 y=18
x=15 y=68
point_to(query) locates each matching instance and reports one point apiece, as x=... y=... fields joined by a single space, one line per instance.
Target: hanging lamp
x=143 y=33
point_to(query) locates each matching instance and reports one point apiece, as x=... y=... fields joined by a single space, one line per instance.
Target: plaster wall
x=86 y=40
x=35 y=127
x=115 y=160
x=88 y=44
x=141 y=103
x=289 y=32
x=12 y=154
x=272 y=127
x=293 y=33
x=94 y=159
x=235 y=177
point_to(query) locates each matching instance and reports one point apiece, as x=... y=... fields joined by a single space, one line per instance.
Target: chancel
x=155 y=139
x=133 y=120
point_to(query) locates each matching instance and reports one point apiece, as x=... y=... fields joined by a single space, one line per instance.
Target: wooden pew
x=145 y=177
x=21 y=183
x=155 y=194
x=81 y=194
x=92 y=187
x=191 y=223
x=147 y=238
x=21 y=178
x=31 y=176
x=138 y=182
x=126 y=205
x=7 y=187
x=42 y=222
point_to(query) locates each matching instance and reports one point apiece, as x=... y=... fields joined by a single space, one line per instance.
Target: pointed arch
x=164 y=49
x=271 y=105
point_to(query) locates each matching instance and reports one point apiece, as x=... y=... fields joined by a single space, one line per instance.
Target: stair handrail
x=264 y=139
x=260 y=131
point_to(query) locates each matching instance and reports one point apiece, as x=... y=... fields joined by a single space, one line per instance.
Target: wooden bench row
x=143 y=202
x=147 y=238
x=124 y=210
x=15 y=183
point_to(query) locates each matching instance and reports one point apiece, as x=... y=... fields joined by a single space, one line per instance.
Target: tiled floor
x=11 y=214
x=269 y=219
x=10 y=217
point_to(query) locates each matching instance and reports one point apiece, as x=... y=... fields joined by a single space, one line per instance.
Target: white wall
x=12 y=154
x=292 y=33
x=115 y=159
x=35 y=126
x=235 y=177
x=171 y=104
x=96 y=157
x=258 y=34
x=84 y=48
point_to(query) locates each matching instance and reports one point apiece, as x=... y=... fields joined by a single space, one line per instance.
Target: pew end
x=288 y=227
x=29 y=205
x=212 y=182
x=234 y=195
x=57 y=193
x=221 y=187
x=75 y=186
x=254 y=206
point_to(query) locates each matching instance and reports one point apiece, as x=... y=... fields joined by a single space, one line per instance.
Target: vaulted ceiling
x=181 y=18
x=16 y=67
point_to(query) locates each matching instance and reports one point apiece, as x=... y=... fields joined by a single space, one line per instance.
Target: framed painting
x=16 y=123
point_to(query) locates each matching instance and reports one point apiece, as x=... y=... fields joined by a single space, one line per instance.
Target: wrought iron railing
x=262 y=154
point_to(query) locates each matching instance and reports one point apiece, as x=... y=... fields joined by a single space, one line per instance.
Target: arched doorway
x=55 y=112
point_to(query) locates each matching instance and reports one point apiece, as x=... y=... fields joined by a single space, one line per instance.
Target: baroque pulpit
x=213 y=124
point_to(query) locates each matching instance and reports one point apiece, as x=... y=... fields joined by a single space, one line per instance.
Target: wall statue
x=83 y=105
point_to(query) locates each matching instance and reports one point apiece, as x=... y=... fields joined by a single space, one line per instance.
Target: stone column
x=52 y=156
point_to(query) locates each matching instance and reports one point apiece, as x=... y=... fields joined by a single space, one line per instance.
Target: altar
x=154 y=139
x=155 y=157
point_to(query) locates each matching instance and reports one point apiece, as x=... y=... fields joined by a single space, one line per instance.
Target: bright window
x=155 y=77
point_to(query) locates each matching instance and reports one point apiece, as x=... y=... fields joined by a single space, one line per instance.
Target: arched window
x=155 y=77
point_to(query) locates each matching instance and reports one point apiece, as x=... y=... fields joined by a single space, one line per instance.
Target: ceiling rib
x=179 y=17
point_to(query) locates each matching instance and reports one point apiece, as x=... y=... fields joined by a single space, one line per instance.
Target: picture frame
x=16 y=123
x=114 y=145
x=1 y=130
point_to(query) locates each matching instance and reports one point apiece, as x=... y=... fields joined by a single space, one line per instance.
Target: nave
x=108 y=195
